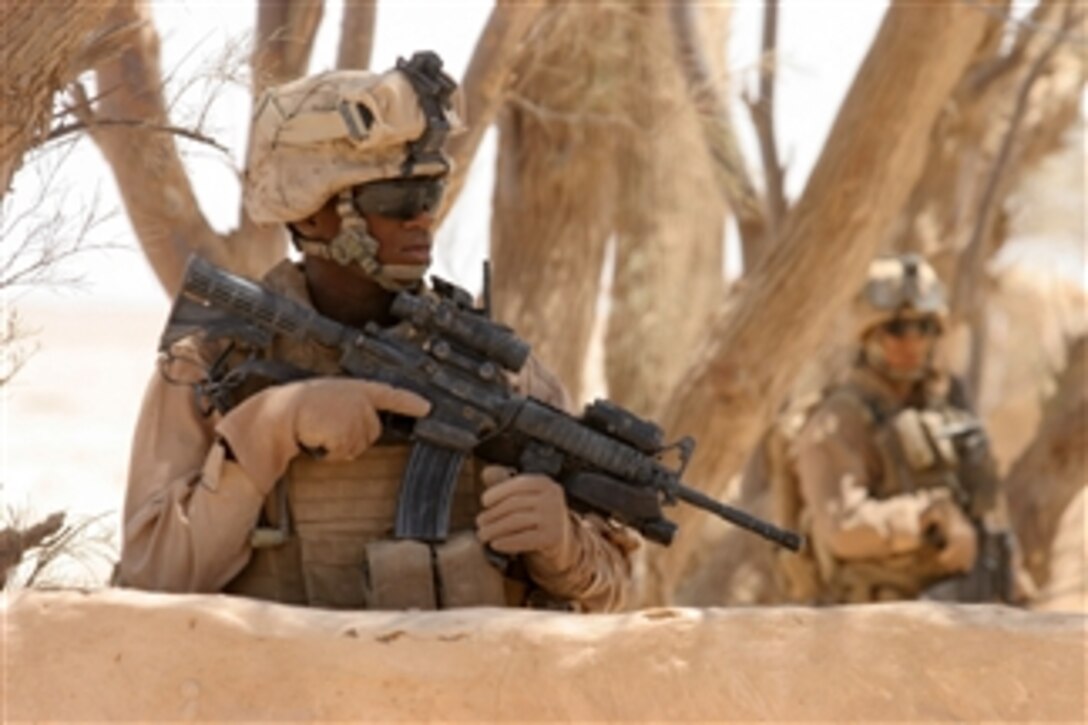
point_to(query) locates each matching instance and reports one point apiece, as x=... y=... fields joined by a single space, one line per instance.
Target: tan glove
x=333 y=417
x=946 y=526
x=527 y=514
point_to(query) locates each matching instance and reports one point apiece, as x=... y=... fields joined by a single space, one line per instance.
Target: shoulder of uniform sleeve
x=288 y=279
x=844 y=401
x=187 y=360
x=841 y=410
x=537 y=381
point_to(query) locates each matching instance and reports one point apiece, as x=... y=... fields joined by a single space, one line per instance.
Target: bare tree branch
x=733 y=179
x=965 y=293
x=126 y=124
x=963 y=289
x=47 y=229
x=485 y=84
x=557 y=178
x=762 y=112
x=62 y=131
x=357 y=34
x=15 y=542
x=150 y=175
x=84 y=542
x=44 y=47
x=285 y=39
x=940 y=217
x=982 y=76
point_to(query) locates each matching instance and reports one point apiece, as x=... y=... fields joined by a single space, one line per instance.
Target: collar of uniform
x=933 y=388
x=288 y=279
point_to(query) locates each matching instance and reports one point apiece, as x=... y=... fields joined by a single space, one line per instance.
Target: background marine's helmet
x=902 y=286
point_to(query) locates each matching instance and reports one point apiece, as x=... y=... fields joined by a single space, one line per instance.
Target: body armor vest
x=331 y=513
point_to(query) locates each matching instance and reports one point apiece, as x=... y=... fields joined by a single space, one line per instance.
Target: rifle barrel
x=782 y=537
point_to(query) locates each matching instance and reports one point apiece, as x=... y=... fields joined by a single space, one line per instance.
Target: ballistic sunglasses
x=400 y=198
x=923 y=326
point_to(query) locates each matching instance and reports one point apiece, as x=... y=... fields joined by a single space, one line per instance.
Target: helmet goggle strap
x=353 y=244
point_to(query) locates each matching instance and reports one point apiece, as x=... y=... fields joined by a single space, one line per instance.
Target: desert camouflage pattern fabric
x=315 y=136
x=899 y=286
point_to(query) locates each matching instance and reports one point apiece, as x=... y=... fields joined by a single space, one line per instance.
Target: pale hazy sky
x=822 y=44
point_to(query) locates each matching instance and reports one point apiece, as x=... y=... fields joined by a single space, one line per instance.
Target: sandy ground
x=68 y=414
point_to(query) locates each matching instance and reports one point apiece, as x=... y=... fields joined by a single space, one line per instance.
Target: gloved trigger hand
x=523 y=514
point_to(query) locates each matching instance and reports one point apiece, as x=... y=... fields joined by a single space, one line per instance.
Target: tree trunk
x=669 y=231
x=485 y=84
x=357 y=34
x=130 y=125
x=556 y=181
x=712 y=108
x=1052 y=471
x=43 y=48
x=787 y=306
x=285 y=39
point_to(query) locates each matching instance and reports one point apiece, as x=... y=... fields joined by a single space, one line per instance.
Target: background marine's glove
x=948 y=528
x=335 y=418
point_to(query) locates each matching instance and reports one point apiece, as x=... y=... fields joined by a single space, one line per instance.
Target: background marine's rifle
x=976 y=491
x=608 y=461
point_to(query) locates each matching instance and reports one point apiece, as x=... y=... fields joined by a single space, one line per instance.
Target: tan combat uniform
x=861 y=501
x=190 y=513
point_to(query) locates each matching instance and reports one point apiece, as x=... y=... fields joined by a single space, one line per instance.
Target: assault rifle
x=976 y=491
x=608 y=461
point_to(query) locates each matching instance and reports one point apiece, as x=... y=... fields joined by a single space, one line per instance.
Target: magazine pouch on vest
x=406 y=574
x=399 y=575
x=465 y=576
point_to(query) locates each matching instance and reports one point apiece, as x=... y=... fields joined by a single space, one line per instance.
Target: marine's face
x=400 y=213
x=402 y=241
x=907 y=344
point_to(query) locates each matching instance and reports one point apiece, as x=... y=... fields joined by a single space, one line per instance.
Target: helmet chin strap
x=353 y=244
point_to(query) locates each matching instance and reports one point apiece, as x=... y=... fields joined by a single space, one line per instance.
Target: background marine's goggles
x=902 y=326
x=400 y=198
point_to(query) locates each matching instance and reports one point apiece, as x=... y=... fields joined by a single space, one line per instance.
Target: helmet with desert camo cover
x=902 y=293
x=373 y=141
x=900 y=286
